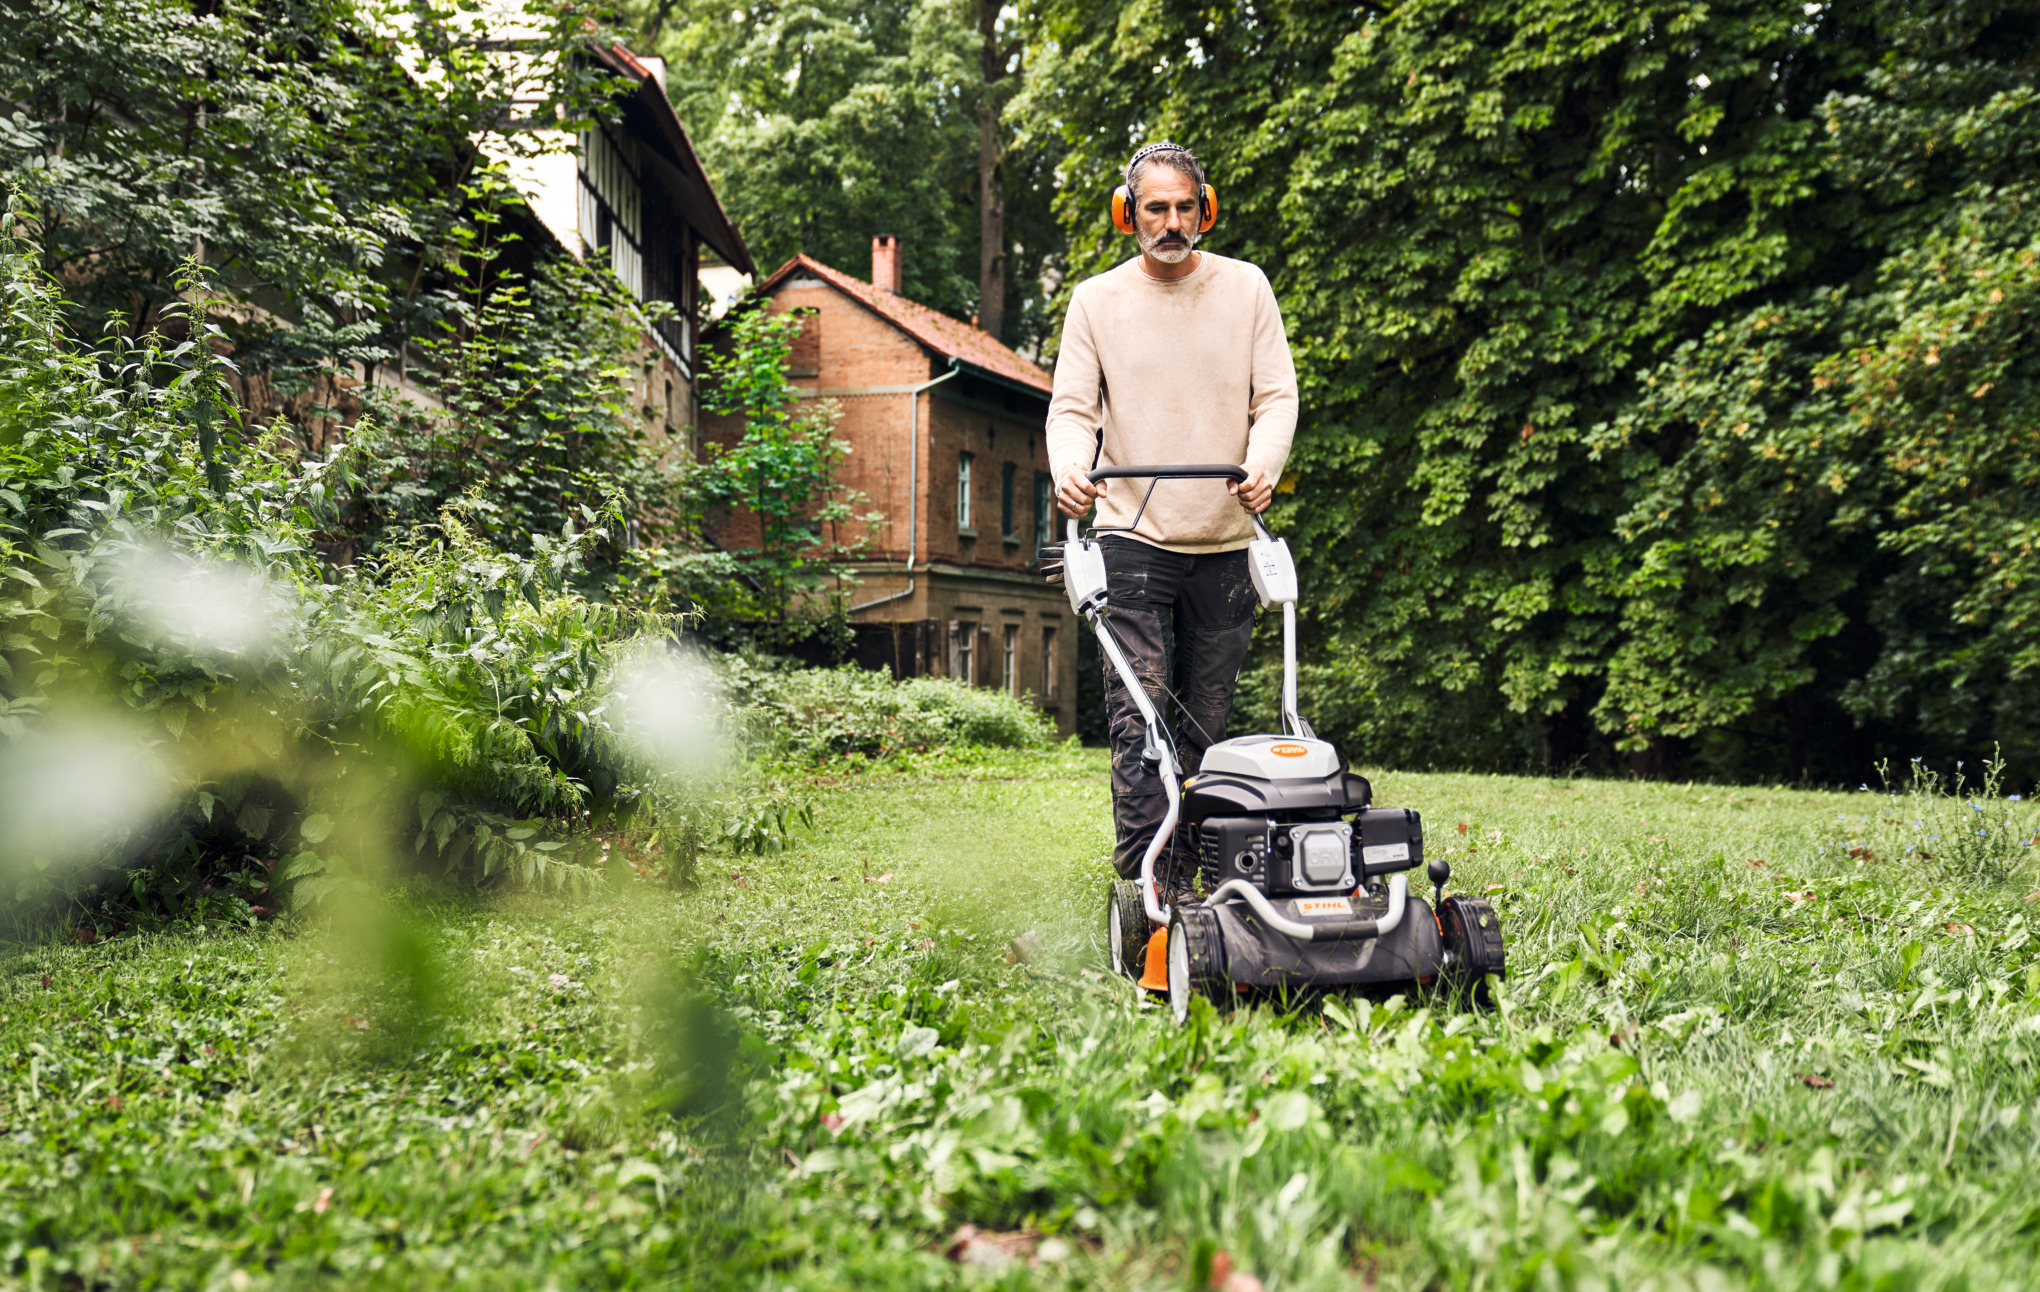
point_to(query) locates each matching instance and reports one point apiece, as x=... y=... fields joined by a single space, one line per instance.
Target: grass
x=1749 y=1039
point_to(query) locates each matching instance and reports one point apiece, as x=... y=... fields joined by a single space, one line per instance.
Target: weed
x=1956 y=832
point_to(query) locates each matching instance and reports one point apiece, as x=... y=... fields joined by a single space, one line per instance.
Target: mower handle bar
x=1154 y=474
x=1186 y=471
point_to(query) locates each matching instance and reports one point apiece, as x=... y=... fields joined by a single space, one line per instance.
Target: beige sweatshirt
x=1193 y=370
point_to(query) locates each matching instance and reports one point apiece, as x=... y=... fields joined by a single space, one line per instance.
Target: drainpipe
x=913 y=479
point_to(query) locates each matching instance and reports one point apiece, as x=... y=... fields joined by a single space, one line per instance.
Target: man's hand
x=1074 y=494
x=1255 y=492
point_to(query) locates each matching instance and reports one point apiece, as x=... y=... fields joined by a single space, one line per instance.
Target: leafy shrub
x=256 y=724
x=811 y=715
x=534 y=424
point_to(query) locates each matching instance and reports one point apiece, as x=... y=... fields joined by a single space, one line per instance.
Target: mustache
x=1174 y=237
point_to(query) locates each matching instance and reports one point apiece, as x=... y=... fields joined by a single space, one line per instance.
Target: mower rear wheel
x=1126 y=928
x=1472 y=934
x=1197 y=965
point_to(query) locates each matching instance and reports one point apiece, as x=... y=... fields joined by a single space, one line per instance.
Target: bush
x=811 y=715
x=200 y=717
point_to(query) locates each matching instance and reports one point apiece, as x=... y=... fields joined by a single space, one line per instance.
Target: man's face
x=1165 y=213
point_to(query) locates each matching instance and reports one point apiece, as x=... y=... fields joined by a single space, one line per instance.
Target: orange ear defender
x=1122 y=209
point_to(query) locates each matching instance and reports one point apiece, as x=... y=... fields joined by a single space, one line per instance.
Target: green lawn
x=1730 y=1053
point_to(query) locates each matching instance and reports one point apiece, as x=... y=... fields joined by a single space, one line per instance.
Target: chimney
x=885 y=262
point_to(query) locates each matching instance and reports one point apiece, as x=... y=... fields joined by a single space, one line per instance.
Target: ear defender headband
x=1122 y=197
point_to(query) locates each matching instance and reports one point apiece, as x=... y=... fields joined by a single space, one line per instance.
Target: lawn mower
x=1304 y=883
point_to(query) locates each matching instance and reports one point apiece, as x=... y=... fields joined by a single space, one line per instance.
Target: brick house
x=946 y=428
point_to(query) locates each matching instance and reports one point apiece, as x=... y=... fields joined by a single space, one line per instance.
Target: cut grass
x=1730 y=1053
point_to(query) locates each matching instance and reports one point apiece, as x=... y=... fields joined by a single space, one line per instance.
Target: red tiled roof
x=932 y=328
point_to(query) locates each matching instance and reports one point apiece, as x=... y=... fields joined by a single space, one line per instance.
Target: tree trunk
x=991 y=180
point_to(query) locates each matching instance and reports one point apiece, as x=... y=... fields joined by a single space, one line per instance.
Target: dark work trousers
x=1184 y=622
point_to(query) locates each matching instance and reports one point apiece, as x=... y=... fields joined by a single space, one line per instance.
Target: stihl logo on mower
x=1289 y=751
x=1324 y=906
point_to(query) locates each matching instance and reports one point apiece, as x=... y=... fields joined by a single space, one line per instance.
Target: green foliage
x=1664 y=388
x=825 y=124
x=532 y=424
x=256 y=715
x=362 y=239
x=307 y=150
x=781 y=469
x=814 y=716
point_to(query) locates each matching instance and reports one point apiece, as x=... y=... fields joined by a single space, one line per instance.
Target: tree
x=309 y=152
x=780 y=469
x=1617 y=330
x=824 y=124
x=999 y=53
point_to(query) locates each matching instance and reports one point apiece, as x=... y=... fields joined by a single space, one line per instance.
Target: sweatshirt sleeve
x=1076 y=410
x=1271 y=408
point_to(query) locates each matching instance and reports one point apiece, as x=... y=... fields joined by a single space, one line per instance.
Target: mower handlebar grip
x=1345 y=930
x=1186 y=471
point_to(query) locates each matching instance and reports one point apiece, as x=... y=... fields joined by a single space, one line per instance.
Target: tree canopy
x=825 y=123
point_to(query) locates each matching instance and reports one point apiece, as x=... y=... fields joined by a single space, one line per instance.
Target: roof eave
x=721 y=233
x=986 y=374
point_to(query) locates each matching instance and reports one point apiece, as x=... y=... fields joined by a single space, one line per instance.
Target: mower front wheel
x=1472 y=934
x=1126 y=928
x=1197 y=965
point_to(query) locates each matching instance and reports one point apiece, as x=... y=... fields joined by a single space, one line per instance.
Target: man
x=1175 y=356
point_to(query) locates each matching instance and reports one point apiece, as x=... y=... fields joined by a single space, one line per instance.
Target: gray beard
x=1168 y=255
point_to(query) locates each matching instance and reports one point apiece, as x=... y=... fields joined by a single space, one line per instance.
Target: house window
x=1044 y=509
x=963 y=517
x=618 y=206
x=963 y=649
x=1006 y=527
x=609 y=204
x=1048 y=663
x=1009 y=660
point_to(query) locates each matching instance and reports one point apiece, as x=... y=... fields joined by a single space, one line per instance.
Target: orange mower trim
x=1154 y=970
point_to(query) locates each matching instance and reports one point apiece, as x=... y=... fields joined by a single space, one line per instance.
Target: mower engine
x=1279 y=821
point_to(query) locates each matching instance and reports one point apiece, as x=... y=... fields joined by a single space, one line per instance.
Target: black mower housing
x=1241 y=827
x=1260 y=957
